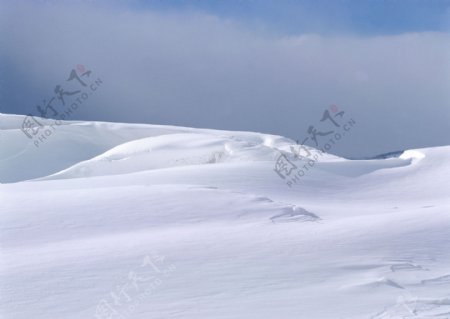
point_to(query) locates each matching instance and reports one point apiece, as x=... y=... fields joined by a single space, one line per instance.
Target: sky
x=265 y=66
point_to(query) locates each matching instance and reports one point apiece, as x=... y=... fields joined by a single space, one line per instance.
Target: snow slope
x=168 y=222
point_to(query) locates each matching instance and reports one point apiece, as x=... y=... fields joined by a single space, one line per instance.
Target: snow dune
x=212 y=231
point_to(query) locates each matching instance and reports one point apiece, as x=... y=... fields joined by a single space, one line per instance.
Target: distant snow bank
x=85 y=149
x=73 y=142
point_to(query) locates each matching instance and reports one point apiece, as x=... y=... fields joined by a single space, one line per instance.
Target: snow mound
x=166 y=151
x=72 y=142
x=412 y=154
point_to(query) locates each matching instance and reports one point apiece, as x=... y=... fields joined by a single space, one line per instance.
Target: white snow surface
x=171 y=222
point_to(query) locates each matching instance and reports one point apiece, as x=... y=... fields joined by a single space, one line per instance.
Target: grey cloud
x=198 y=70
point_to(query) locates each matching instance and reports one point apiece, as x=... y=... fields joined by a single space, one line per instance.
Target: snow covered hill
x=110 y=220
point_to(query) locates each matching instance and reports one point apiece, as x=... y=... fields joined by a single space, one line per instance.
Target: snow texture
x=110 y=220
